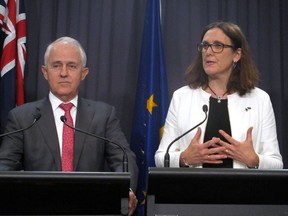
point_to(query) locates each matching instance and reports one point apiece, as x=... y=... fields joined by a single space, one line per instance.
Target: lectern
x=59 y=193
x=193 y=191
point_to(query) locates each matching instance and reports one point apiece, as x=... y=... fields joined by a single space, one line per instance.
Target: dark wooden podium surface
x=217 y=191
x=58 y=193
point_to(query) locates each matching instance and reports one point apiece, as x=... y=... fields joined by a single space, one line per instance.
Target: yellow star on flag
x=150 y=104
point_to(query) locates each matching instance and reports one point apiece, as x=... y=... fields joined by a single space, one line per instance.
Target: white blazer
x=254 y=109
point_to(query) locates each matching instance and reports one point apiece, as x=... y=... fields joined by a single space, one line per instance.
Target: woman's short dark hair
x=244 y=76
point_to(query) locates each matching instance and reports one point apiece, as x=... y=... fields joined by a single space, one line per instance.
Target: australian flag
x=13 y=56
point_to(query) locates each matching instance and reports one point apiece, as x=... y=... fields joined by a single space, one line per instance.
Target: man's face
x=64 y=71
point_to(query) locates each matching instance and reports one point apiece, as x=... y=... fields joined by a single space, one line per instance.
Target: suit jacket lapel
x=83 y=121
x=48 y=130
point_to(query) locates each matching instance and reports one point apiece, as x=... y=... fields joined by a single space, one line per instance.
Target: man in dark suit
x=40 y=147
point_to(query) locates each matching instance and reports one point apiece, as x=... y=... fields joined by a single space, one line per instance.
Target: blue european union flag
x=151 y=99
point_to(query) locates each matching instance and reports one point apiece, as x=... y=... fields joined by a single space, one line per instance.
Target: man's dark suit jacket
x=37 y=149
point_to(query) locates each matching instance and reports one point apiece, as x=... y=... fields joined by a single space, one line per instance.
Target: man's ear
x=85 y=72
x=44 y=71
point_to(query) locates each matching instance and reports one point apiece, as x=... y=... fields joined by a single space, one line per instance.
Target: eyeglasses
x=216 y=47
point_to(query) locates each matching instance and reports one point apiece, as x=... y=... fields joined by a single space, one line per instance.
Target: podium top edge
x=63 y=175
x=214 y=171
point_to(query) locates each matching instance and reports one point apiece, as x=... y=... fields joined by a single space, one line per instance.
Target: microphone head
x=63 y=119
x=37 y=116
x=205 y=108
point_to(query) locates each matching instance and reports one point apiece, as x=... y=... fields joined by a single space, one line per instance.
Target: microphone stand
x=125 y=158
x=167 y=156
x=36 y=118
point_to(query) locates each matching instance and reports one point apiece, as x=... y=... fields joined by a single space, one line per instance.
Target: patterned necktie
x=67 y=140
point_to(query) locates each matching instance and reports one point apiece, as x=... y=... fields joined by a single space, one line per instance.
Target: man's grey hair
x=67 y=40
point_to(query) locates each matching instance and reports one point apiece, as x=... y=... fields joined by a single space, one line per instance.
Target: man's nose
x=64 y=71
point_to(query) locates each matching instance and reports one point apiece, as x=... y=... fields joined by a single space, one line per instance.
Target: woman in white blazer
x=240 y=131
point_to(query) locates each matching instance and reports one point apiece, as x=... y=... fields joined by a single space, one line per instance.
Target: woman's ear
x=237 y=55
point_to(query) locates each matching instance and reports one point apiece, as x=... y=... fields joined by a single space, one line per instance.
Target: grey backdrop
x=111 y=31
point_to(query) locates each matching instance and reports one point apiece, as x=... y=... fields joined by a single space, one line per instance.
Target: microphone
x=125 y=158
x=36 y=118
x=167 y=156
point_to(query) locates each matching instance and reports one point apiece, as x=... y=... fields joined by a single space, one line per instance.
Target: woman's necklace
x=218 y=97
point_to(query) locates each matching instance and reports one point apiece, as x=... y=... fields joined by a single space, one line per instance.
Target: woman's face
x=218 y=64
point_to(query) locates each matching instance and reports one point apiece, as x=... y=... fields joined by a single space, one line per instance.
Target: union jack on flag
x=13 y=56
